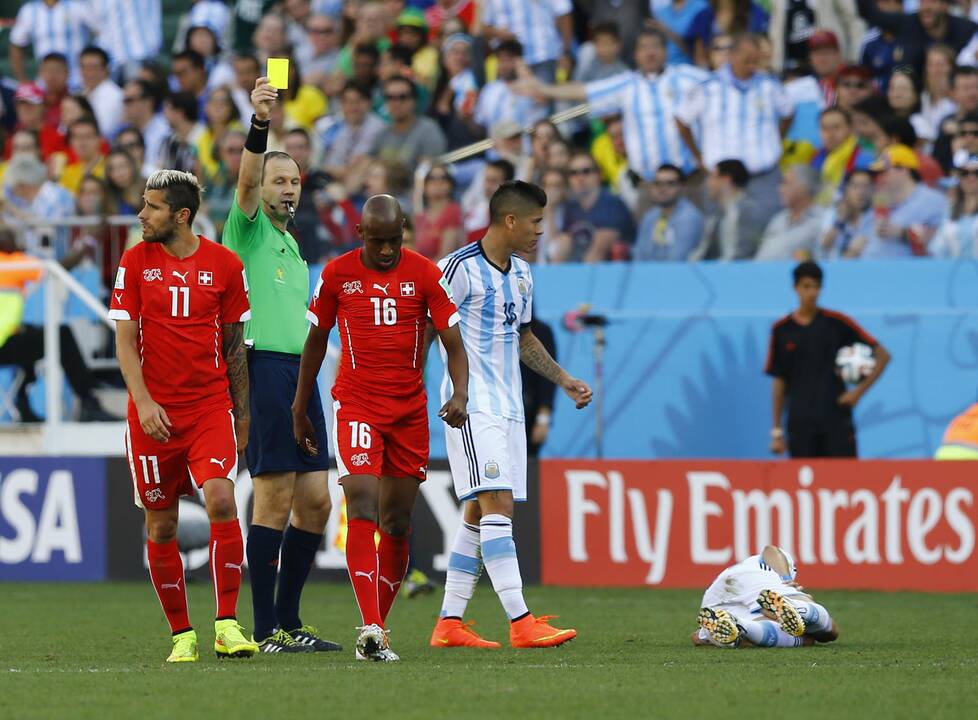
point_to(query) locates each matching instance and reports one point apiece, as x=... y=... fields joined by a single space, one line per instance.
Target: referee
x=285 y=479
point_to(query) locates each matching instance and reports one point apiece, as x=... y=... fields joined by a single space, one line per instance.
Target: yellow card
x=278 y=73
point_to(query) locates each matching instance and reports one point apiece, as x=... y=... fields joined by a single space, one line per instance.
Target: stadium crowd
x=715 y=129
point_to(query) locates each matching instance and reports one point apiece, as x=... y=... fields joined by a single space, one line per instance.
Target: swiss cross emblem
x=407 y=289
x=205 y=278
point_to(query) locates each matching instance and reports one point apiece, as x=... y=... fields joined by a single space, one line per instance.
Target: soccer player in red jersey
x=179 y=302
x=380 y=297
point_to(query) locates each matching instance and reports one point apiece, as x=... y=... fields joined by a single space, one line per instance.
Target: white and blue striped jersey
x=492 y=307
x=648 y=106
x=738 y=119
x=65 y=27
x=498 y=102
x=533 y=22
x=129 y=30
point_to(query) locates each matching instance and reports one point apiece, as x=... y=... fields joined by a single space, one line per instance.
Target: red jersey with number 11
x=380 y=318
x=180 y=306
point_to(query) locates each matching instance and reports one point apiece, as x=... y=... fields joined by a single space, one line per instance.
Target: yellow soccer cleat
x=719 y=624
x=776 y=607
x=229 y=641
x=184 y=648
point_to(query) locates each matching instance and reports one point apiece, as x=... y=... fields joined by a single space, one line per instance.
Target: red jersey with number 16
x=181 y=306
x=380 y=318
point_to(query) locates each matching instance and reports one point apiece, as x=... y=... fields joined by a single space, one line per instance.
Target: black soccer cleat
x=308 y=636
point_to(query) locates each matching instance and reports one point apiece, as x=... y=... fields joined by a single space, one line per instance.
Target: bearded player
x=758 y=603
x=179 y=302
x=379 y=297
x=493 y=288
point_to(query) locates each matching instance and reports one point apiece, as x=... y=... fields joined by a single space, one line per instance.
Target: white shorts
x=487 y=453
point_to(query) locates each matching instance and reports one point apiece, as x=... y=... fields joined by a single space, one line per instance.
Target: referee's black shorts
x=835 y=438
x=273 y=377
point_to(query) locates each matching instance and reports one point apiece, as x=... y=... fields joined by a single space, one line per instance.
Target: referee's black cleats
x=281 y=642
x=309 y=636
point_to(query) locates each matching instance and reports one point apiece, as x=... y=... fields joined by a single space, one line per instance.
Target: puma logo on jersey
x=382 y=288
x=170 y=586
x=368 y=575
x=388 y=583
x=118 y=298
x=219 y=462
x=182 y=276
x=232 y=566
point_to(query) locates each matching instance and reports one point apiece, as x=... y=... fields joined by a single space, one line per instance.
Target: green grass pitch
x=96 y=651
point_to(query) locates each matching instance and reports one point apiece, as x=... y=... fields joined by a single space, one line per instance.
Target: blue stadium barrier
x=687 y=345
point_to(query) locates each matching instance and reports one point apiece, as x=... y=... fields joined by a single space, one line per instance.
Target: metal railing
x=57 y=284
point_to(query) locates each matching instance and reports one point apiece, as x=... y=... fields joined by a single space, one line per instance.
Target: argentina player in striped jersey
x=759 y=603
x=493 y=290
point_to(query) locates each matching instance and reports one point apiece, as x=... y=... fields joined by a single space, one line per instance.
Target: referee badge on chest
x=521 y=286
x=492 y=470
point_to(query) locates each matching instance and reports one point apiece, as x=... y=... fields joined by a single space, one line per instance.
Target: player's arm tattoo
x=236 y=359
x=535 y=356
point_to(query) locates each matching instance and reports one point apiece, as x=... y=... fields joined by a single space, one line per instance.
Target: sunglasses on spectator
x=725 y=47
x=581 y=171
x=967 y=173
x=972 y=133
x=398 y=97
x=129 y=146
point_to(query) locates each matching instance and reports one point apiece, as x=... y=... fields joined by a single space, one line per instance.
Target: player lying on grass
x=757 y=603
x=179 y=303
x=379 y=297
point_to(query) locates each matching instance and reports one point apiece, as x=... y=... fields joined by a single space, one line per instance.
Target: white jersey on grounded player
x=493 y=305
x=740 y=584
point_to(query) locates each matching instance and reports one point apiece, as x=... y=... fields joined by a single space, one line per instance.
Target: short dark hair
x=807 y=269
x=249 y=58
x=653 y=33
x=358 y=87
x=606 y=27
x=672 y=168
x=274 y=155
x=84 y=120
x=191 y=56
x=963 y=71
x=515 y=196
x=186 y=103
x=401 y=53
x=367 y=49
x=148 y=90
x=735 y=170
x=180 y=190
x=874 y=106
x=838 y=111
x=137 y=136
x=55 y=57
x=899 y=128
x=95 y=50
x=504 y=166
x=510 y=47
x=402 y=79
x=300 y=131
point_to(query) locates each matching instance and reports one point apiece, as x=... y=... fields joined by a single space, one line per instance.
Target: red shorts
x=202 y=446
x=380 y=442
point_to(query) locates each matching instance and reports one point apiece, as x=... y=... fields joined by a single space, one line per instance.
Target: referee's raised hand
x=263 y=97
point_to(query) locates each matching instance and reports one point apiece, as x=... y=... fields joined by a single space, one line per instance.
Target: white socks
x=816 y=617
x=464 y=568
x=499 y=556
x=767 y=633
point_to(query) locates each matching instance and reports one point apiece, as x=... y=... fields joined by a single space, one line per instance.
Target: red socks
x=393 y=554
x=226 y=555
x=166 y=573
x=361 y=561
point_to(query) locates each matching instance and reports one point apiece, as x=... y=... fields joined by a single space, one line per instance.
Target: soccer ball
x=854 y=362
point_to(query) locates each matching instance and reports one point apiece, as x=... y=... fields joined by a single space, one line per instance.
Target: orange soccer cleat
x=452 y=632
x=535 y=632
